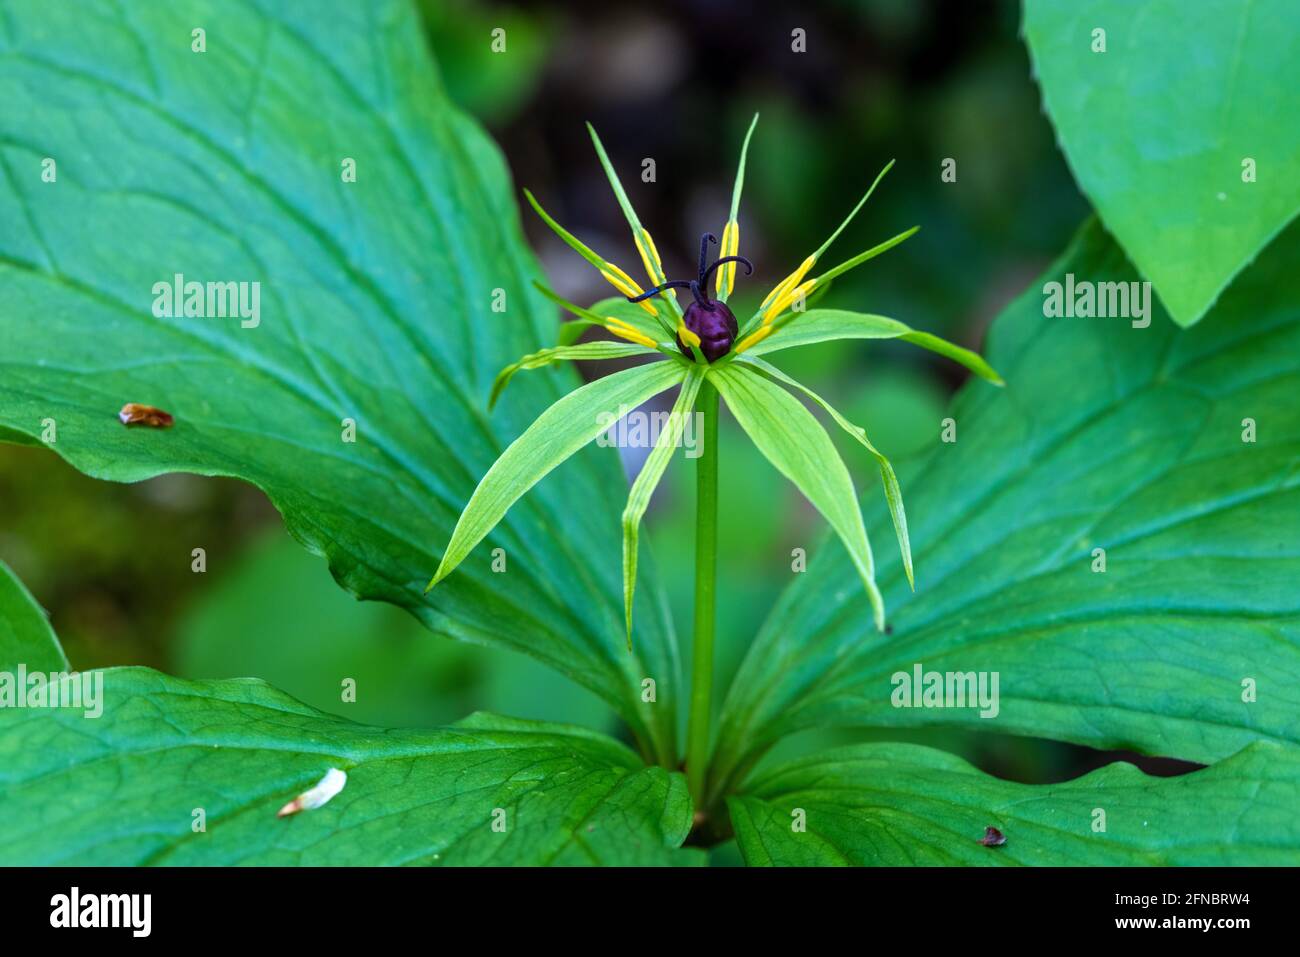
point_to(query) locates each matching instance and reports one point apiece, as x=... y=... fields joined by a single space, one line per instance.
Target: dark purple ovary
x=716 y=326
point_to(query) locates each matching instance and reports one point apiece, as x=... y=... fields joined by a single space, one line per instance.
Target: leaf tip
x=498 y=386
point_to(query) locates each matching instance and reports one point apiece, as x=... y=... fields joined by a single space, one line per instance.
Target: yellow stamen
x=625 y=331
x=790 y=281
x=783 y=302
x=688 y=337
x=645 y=245
x=625 y=284
x=754 y=338
x=726 y=278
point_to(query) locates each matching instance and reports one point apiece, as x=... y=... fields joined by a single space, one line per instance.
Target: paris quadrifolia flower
x=704 y=343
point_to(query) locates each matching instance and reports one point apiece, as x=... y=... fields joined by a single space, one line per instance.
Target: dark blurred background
x=676 y=82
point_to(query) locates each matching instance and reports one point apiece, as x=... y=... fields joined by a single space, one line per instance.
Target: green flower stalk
x=705 y=351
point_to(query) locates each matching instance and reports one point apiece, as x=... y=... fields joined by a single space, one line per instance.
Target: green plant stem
x=706 y=573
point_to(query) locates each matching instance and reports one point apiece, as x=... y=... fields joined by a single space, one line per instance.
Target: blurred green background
x=675 y=82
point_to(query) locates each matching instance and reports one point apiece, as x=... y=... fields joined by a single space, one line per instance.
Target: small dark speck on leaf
x=889 y=629
x=993 y=837
x=135 y=413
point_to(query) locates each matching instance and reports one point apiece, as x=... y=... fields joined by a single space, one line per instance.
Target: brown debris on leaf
x=993 y=837
x=136 y=413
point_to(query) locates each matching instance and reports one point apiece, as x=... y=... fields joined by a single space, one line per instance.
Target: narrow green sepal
x=573 y=242
x=871 y=253
x=849 y=218
x=571 y=353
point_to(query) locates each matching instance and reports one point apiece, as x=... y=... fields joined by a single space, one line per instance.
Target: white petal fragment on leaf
x=320 y=795
x=237 y=748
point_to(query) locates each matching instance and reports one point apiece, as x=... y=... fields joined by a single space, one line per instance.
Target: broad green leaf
x=378 y=300
x=558 y=433
x=545 y=357
x=275 y=612
x=121 y=789
x=656 y=462
x=26 y=637
x=829 y=325
x=893 y=493
x=795 y=443
x=901 y=804
x=1107 y=436
x=1177 y=132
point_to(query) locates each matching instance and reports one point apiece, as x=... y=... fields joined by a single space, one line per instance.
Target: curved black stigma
x=699 y=285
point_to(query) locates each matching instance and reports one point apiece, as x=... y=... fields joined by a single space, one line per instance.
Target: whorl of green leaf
x=653 y=469
x=893 y=493
x=557 y=433
x=797 y=445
